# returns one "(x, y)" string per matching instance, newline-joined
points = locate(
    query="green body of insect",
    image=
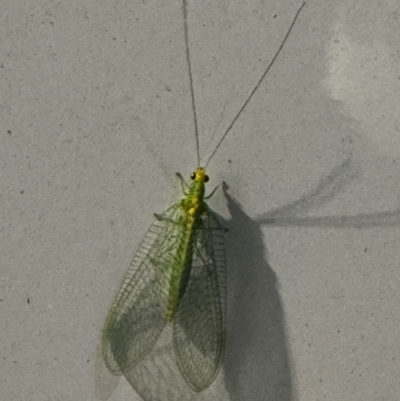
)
(193, 207)
(177, 276)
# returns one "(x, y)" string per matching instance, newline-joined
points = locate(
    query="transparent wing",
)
(138, 315)
(199, 325)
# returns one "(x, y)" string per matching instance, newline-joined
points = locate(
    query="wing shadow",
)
(257, 361)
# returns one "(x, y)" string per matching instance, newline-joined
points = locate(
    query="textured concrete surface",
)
(95, 118)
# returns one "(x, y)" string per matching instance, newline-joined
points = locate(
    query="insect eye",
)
(206, 178)
(192, 176)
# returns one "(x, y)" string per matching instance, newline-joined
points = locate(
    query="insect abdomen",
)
(192, 206)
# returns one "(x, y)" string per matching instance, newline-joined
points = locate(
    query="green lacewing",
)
(177, 277)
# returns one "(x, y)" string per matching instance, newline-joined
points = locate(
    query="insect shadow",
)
(258, 359)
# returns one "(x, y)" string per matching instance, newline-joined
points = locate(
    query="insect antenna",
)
(196, 131)
(254, 89)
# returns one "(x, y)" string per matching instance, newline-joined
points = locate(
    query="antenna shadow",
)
(338, 179)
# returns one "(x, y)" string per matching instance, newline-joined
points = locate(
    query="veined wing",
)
(138, 314)
(199, 325)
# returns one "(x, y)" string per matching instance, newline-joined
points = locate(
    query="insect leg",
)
(169, 214)
(212, 192)
(183, 183)
(161, 217)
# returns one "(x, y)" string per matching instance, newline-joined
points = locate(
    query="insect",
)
(177, 278)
